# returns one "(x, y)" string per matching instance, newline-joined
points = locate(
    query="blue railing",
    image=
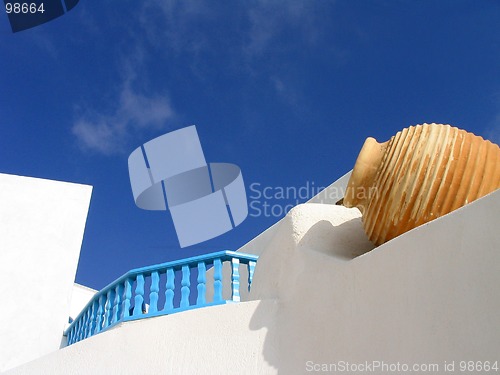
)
(160, 290)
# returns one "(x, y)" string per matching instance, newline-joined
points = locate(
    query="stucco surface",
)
(322, 295)
(214, 340)
(41, 231)
(330, 195)
(430, 296)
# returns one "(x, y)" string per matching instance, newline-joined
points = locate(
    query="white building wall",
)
(211, 341)
(330, 195)
(430, 296)
(80, 296)
(41, 231)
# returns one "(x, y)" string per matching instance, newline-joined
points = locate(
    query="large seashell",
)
(420, 174)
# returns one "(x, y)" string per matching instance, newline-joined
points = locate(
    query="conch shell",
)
(420, 174)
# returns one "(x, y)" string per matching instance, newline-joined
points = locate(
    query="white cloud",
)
(493, 132)
(170, 25)
(108, 133)
(133, 110)
(268, 18)
(251, 28)
(286, 91)
(99, 136)
(173, 28)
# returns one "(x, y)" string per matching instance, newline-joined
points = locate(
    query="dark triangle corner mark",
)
(43, 12)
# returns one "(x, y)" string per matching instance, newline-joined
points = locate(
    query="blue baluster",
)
(235, 279)
(117, 303)
(217, 280)
(100, 314)
(139, 295)
(70, 336)
(91, 322)
(75, 332)
(185, 284)
(93, 317)
(79, 330)
(114, 304)
(155, 288)
(108, 315)
(81, 327)
(86, 330)
(202, 280)
(169, 292)
(127, 295)
(251, 270)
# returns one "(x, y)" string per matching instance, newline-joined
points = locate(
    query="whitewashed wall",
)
(80, 296)
(41, 231)
(430, 296)
(322, 298)
(330, 195)
(211, 341)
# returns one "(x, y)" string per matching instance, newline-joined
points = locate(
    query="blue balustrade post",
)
(100, 314)
(139, 295)
(109, 307)
(251, 270)
(235, 279)
(185, 284)
(87, 323)
(113, 304)
(202, 281)
(117, 303)
(217, 280)
(75, 332)
(127, 296)
(153, 295)
(93, 317)
(70, 335)
(81, 331)
(91, 323)
(78, 330)
(169, 291)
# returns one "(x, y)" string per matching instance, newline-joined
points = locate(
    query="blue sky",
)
(287, 90)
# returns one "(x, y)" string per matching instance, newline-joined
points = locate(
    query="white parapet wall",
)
(428, 299)
(324, 300)
(41, 231)
(210, 341)
(80, 296)
(330, 195)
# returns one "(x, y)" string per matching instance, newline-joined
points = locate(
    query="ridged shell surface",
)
(420, 174)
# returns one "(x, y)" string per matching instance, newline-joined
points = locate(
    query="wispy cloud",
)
(108, 133)
(492, 128)
(250, 30)
(171, 25)
(493, 131)
(170, 30)
(132, 110)
(269, 18)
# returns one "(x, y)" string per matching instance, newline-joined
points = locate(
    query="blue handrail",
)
(153, 291)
